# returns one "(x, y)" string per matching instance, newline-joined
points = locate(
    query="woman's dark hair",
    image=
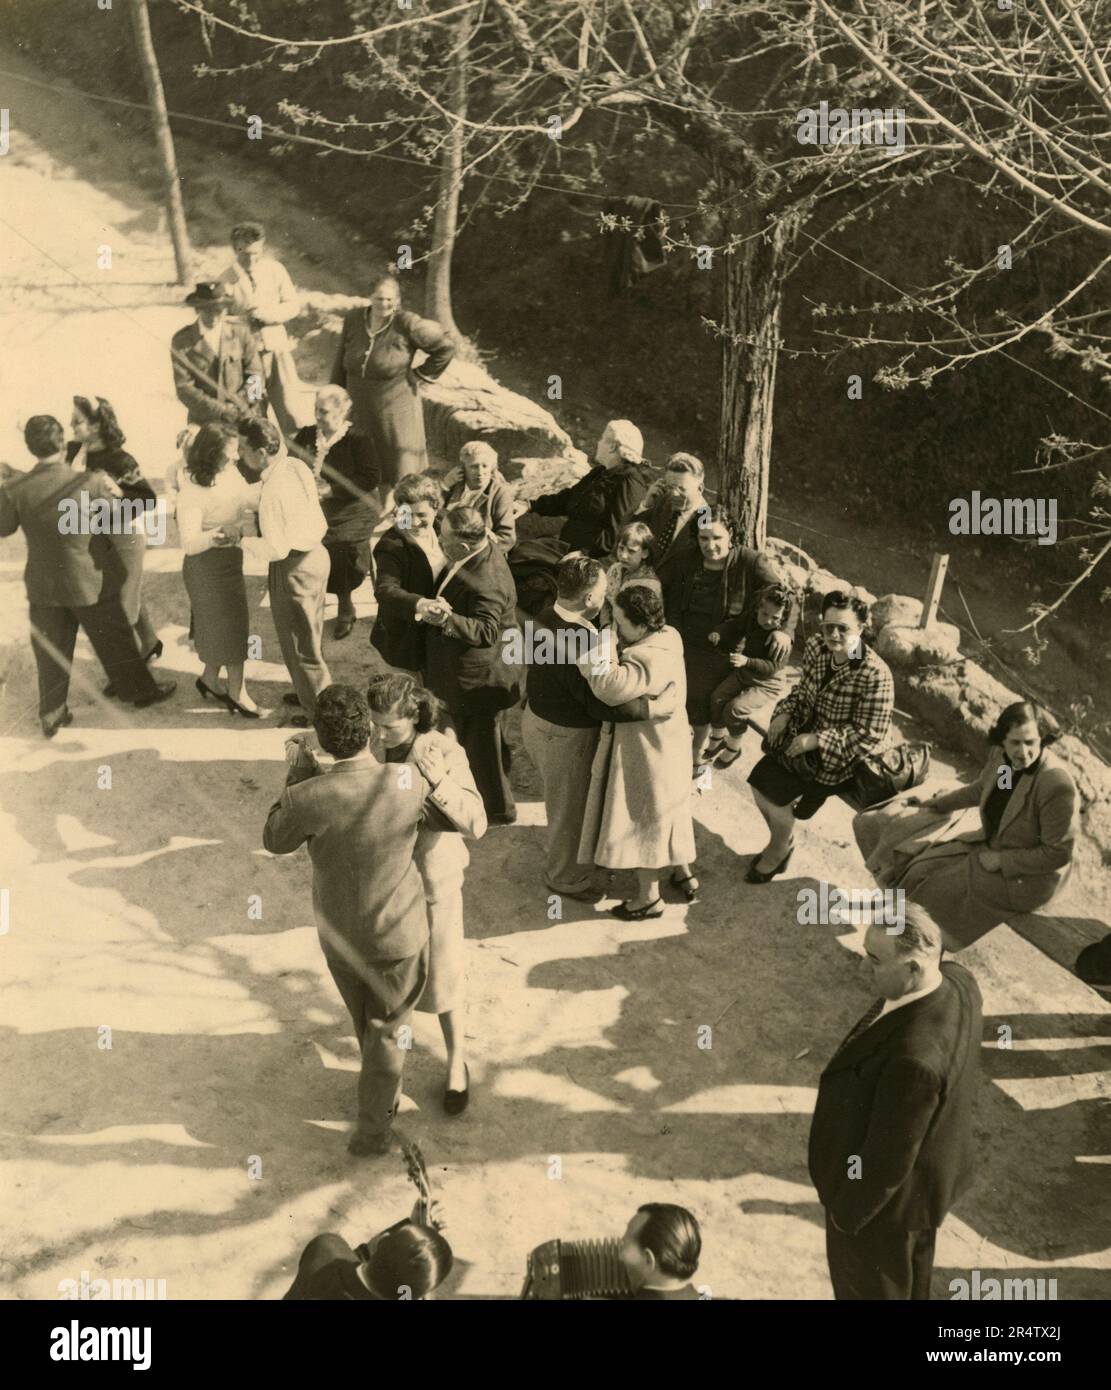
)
(44, 436)
(1024, 712)
(260, 434)
(706, 517)
(405, 694)
(672, 1235)
(412, 1257)
(643, 606)
(104, 417)
(341, 720)
(837, 598)
(381, 276)
(206, 456)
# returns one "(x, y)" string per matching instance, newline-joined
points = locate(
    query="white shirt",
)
(569, 617)
(457, 566)
(289, 514)
(212, 336)
(429, 542)
(202, 511)
(890, 1005)
(271, 297)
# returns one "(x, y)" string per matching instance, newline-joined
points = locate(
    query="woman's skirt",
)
(218, 594)
(441, 857)
(390, 413)
(706, 667)
(350, 561)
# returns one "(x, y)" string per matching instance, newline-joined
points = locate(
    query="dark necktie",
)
(864, 1023)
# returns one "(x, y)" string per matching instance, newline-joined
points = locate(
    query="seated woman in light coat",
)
(638, 811)
(477, 482)
(1014, 860)
(407, 723)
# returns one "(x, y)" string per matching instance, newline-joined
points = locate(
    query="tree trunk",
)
(437, 286)
(175, 211)
(753, 300)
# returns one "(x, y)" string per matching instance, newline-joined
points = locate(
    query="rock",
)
(898, 609)
(914, 646)
(539, 475)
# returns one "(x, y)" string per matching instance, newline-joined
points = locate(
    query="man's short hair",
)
(466, 523)
(575, 575)
(260, 434)
(672, 1235)
(921, 935)
(686, 463)
(243, 233)
(412, 1257)
(44, 436)
(342, 720)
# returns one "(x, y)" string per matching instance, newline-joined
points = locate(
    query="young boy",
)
(757, 677)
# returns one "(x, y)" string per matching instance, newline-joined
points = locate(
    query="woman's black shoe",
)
(455, 1102)
(688, 886)
(755, 876)
(217, 695)
(638, 914)
(237, 708)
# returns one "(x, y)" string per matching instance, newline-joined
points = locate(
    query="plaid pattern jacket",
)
(851, 715)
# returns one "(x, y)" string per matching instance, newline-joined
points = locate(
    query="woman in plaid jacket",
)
(839, 711)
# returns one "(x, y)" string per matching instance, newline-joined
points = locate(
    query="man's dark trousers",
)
(880, 1264)
(380, 996)
(482, 735)
(54, 636)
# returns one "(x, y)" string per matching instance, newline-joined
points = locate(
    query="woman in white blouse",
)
(212, 506)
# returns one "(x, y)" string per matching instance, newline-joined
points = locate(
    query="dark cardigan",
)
(402, 575)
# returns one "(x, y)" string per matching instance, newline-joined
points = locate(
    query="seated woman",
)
(839, 711)
(713, 584)
(408, 563)
(408, 727)
(1015, 860)
(638, 811)
(630, 563)
(97, 445)
(672, 509)
(757, 677)
(476, 482)
(347, 477)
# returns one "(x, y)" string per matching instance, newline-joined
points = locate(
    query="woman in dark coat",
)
(347, 476)
(408, 563)
(715, 582)
(1014, 857)
(97, 446)
(375, 364)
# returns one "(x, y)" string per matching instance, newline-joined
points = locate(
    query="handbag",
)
(879, 777)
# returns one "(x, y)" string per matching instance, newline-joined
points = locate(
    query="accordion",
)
(566, 1269)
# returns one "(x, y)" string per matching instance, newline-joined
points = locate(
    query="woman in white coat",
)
(638, 812)
(406, 719)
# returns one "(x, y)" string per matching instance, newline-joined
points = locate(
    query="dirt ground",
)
(133, 858)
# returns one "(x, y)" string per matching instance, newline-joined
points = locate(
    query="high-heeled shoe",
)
(638, 914)
(755, 875)
(343, 628)
(455, 1102)
(688, 886)
(236, 708)
(217, 695)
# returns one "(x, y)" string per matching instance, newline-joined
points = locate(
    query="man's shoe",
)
(370, 1145)
(1093, 964)
(291, 698)
(51, 726)
(162, 691)
(343, 628)
(502, 818)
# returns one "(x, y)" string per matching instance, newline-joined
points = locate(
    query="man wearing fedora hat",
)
(218, 371)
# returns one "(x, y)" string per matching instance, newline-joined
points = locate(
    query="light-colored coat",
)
(638, 812)
(933, 854)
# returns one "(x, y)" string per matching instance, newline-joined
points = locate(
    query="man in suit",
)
(218, 370)
(891, 1138)
(560, 725)
(291, 528)
(465, 657)
(405, 1261)
(360, 819)
(262, 295)
(73, 577)
(660, 1250)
